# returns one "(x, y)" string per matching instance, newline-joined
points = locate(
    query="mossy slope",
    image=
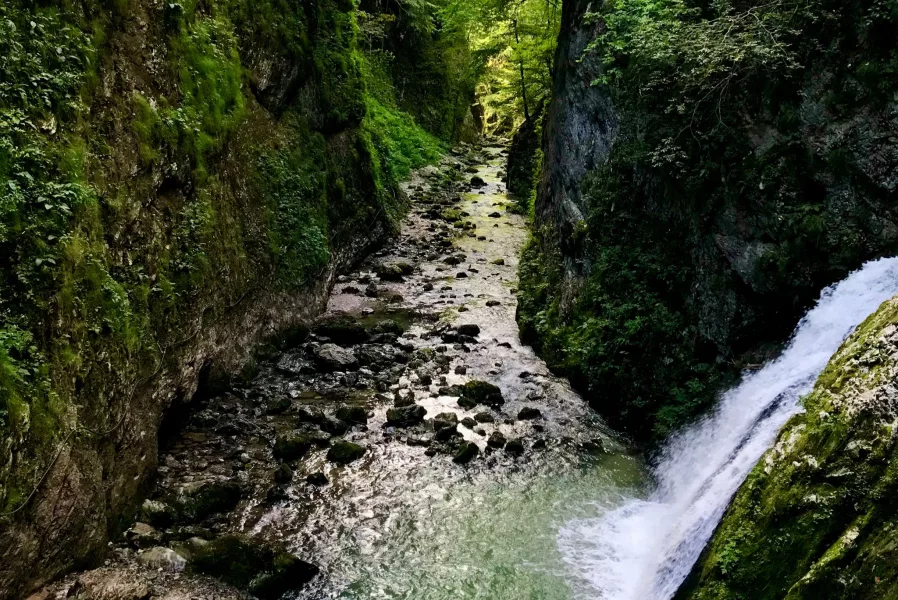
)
(817, 516)
(178, 180)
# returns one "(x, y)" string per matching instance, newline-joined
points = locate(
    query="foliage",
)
(736, 187)
(517, 79)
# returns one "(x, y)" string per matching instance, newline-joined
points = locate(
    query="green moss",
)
(816, 517)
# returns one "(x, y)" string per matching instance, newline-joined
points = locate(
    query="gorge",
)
(426, 300)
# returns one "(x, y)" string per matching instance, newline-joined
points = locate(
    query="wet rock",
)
(387, 326)
(258, 568)
(310, 415)
(425, 379)
(343, 452)
(199, 500)
(102, 584)
(443, 420)
(342, 329)
(372, 291)
(427, 287)
(406, 416)
(593, 446)
(477, 182)
(466, 453)
(484, 417)
(292, 446)
(390, 273)
(470, 329)
(354, 415)
(528, 413)
(461, 370)
(334, 426)
(461, 275)
(496, 440)
(317, 479)
(330, 357)
(283, 474)
(495, 215)
(484, 393)
(142, 535)
(162, 558)
(157, 513)
(492, 303)
(538, 444)
(351, 289)
(276, 493)
(498, 261)
(278, 406)
(294, 364)
(469, 422)
(445, 434)
(467, 403)
(515, 447)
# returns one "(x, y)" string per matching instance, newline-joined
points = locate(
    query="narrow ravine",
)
(376, 448)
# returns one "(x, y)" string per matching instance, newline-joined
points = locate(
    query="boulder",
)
(496, 440)
(466, 453)
(529, 413)
(406, 416)
(342, 329)
(263, 570)
(292, 446)
(162, 558)
(343, 452)
(483, 393)
(334, 426)
(331, 357)
(468, 329)
(354, 415)
(199, 500)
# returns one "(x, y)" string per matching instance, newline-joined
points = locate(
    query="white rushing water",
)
(645, 548)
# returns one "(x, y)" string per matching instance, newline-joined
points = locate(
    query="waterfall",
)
(644, 548)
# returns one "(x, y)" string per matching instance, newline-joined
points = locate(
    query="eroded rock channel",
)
(406, 446)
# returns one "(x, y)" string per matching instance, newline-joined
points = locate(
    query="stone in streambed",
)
(406, 416)
(469, 422)
(343, 452)
(466, 453)
(528, 413)
(165, 559)
(199, 500)
(317, 479)
(334, 426)
(354, 415)
(263, 570)
(158, 513)
(496, 440)
(483, 392)
(342, 329)
(470, 329)
(292, 446)
(331, 357)
(283, 474)
(484, 417)
(515, 447)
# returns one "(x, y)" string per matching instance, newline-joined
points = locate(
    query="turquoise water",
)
(495, 540)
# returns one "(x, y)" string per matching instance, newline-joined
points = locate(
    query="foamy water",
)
(645, 548)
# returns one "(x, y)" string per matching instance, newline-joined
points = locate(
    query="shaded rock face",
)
(816, 518)
(523, 159)
(717, 254)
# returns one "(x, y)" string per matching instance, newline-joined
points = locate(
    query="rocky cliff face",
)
(180, 181)
(676, 237)
(816, 518)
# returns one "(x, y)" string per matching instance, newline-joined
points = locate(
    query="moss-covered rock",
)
(262, 570)
(817, 516)
(344, 452)
(483, 392)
